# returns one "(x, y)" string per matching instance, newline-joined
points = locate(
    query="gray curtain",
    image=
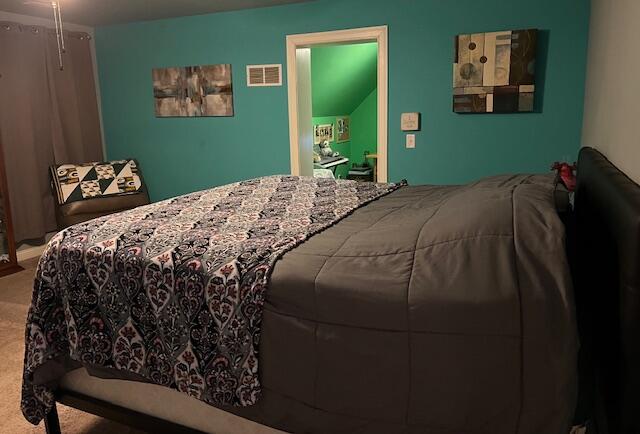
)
(47, 116)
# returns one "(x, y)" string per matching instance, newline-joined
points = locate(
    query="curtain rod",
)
(57, 18)
(78, 34)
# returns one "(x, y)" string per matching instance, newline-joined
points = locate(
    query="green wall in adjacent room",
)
(342, 76)
(179, 155)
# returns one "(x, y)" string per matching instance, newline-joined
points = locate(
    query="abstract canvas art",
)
(193, 91)
(494, 72)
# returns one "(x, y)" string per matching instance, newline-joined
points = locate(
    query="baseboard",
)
(30, 252)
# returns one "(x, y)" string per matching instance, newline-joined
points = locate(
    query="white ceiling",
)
(104, 12)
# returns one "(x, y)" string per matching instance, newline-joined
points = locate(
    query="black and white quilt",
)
(173, 292)
(74, 182)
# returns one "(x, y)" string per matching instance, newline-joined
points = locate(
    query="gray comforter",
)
(440, 310)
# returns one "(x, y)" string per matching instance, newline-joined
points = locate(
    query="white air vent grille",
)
(264, 75)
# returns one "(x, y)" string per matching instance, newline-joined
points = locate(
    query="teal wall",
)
(184, 154)
(364, 128)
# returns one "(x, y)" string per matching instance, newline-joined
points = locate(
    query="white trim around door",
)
(367, 34)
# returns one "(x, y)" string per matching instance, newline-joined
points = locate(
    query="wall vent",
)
(264, 75)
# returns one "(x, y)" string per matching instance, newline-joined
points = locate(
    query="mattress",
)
(161, 402)
(434, 310)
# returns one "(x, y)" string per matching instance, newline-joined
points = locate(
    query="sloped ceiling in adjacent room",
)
(342, 76)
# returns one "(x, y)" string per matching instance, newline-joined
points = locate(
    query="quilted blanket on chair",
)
(75, 182)
(173, 292)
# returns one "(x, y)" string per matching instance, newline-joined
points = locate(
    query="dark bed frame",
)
(604, 249)
(607, 281)
(116, 413)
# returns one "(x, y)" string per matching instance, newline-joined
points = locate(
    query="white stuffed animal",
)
(326, 151)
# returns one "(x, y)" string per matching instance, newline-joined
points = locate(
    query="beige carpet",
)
(15, 297)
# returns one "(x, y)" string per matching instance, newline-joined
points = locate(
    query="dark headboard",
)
(607, 281)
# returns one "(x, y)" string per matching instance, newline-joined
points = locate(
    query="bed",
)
(607, 264)
(415, 309)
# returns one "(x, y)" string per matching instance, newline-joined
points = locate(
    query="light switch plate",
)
(411, 141)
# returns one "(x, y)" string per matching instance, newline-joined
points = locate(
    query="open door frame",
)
(366, 34)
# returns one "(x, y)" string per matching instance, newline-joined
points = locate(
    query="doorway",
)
(309, 131)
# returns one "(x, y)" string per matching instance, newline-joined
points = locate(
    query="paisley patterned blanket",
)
(173, 292)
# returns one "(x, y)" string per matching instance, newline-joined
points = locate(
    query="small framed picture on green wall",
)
(344, 134)
(322, 133)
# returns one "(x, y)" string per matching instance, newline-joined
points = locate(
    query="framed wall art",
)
(494, 72)
(344, 126)
(322, 132)
(193, 91)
